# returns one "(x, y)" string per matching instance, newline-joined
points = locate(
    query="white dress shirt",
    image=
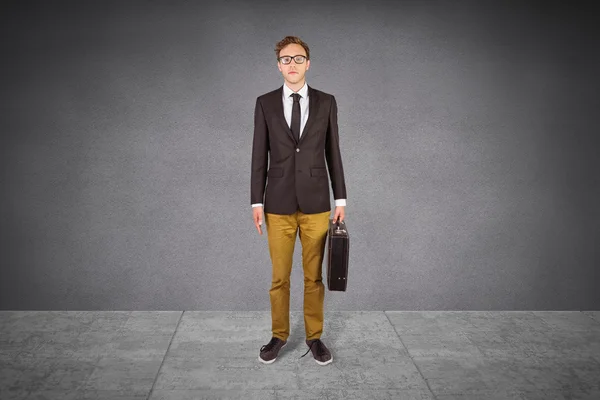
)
(288, 102)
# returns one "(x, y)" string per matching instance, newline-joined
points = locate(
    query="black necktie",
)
(296, 117)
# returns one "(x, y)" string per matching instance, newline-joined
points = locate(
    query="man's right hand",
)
(258, 217)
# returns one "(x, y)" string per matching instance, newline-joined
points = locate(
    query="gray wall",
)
(469, 135)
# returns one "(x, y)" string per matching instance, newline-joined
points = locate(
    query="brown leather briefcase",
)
(338, 246)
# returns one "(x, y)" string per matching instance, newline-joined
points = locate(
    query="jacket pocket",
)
(275, 172)
(318, 172)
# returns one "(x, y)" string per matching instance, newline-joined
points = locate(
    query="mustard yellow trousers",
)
(281, 234)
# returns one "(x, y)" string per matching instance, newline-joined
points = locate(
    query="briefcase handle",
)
(337, 226)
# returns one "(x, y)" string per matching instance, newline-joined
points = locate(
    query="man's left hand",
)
(339, 213)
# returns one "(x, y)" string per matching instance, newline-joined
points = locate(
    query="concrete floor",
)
(377, 355)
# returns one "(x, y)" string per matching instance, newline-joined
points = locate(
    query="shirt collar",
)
(287, 92)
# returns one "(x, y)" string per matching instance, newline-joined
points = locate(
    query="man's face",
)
(292, 72)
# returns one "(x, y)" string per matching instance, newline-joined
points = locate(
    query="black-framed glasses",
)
(299, 59)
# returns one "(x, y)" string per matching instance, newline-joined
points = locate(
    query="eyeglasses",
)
(299, 59)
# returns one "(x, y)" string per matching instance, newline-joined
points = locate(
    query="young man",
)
(295, 128)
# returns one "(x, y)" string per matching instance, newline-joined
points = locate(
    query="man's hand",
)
(258, 216)
(339, 213)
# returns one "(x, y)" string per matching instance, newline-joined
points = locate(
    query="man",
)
(297, 126)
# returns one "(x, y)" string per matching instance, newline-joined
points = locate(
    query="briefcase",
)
(338, 246)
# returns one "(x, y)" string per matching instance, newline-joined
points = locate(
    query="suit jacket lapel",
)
(313, 105)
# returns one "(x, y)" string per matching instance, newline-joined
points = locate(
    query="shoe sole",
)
(324, 362)
(273, 360)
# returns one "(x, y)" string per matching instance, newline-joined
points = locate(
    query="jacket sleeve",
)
(260, 150)
(333, 154)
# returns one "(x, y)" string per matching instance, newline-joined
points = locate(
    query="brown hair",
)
(289, 40)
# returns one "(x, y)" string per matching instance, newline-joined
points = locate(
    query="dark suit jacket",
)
(296, 177)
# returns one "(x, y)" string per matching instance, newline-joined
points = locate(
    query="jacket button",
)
(297, 150)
